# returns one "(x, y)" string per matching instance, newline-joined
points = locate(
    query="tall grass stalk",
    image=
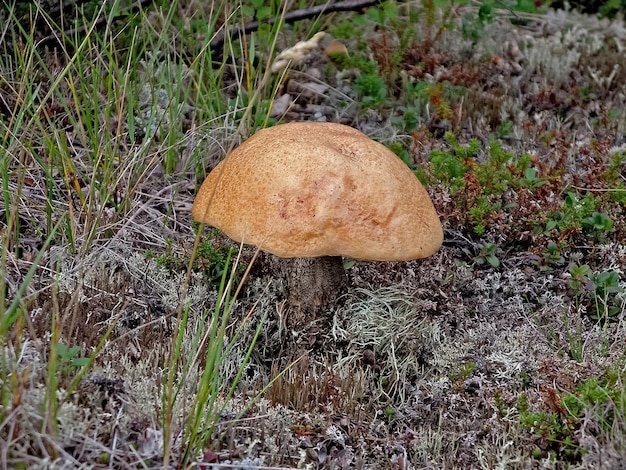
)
(204, 409)
(13, 320)
(211, 348)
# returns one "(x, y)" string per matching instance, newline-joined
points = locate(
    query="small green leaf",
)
(62, 350)
(263, 12)
(485, 13)
(247, 10)
(493, 261)
(530, 174)
(390, 9)
(551, 225)
(79, 362)
(347, 264)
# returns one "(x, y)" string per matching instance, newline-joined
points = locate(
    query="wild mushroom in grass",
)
(314, 193)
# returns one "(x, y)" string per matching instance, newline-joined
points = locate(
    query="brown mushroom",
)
(319, 191)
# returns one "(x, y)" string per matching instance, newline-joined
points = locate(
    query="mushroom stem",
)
(312, 285)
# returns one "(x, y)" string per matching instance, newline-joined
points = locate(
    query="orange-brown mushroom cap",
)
(320, 189)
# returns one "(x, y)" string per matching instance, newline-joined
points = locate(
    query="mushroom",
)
(314, 193)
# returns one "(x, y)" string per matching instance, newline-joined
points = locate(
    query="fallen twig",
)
(292, 16)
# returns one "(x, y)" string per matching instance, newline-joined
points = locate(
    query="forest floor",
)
(505, 349)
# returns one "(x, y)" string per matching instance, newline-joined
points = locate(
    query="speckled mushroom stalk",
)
(319, 191)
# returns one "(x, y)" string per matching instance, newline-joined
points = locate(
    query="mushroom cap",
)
(320, 189)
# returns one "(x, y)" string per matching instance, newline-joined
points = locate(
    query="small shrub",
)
(601, 293)
(371, 89)
(555, 429)
(487, 255)
(68, 359)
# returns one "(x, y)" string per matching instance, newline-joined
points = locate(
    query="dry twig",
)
(296, 15)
